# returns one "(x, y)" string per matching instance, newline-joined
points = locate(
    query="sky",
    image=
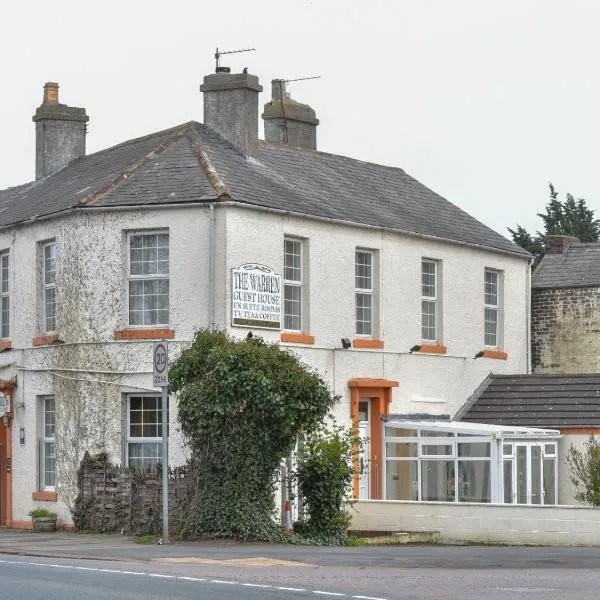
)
(483, 101)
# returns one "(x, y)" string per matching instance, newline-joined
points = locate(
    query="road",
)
(81, 566)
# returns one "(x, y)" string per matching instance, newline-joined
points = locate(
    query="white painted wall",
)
(91, 295)
(483, 523)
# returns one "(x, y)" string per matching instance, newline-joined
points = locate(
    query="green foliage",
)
(584, 471)
(38, 513)
(325, 473)
(568, 217)
(242, 405)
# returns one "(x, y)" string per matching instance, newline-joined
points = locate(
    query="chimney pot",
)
(50, 93)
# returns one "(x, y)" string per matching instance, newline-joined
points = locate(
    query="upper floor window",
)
(429, 301)
(292, 284)
(144, 431)
(148, 278)
(363, 283)
(491, 310)
(49, 291)
(4, 295)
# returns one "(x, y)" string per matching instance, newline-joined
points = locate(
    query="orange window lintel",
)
(156, 333)
(297, 338)
(367, 343)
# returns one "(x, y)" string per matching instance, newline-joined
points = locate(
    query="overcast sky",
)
(484, 101)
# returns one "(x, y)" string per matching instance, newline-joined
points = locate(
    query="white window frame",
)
(48, 286)
(145, 277)
(364, 292)
(144, 439)
(5, 294)
(432, 300)
(296, 284)
(495, 307)
(48, 439)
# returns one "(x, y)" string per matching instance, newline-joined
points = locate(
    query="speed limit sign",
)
(160, 364)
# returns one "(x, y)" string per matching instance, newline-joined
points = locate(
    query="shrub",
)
(38, 513)
(325, 473)
(585, 471)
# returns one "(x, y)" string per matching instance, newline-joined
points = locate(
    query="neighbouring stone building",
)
(402, 301)
(565, 308)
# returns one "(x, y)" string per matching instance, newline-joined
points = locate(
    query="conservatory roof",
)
(498, 431)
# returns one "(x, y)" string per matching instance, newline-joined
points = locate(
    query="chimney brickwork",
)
(231, 108)
(287, 121)
(558, 244)
(60, 132)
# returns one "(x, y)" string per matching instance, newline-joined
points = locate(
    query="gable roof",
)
(578, 266)
(558, 401)
(169, 167)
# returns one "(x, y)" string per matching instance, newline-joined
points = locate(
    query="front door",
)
(364, 451)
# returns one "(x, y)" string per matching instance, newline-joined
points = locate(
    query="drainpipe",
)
(211, 267)
(528, 317)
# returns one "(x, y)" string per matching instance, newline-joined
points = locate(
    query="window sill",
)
(44, 496)
(145, 334)
(5, 345)
(45, 340)
(297, 338)
(367, 343)
(495, 354)
(433, 349)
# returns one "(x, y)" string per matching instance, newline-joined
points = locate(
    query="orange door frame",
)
(379, 392)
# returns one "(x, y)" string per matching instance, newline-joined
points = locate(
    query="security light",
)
(346, 343)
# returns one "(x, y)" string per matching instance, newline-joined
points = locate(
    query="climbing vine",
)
(242, 406)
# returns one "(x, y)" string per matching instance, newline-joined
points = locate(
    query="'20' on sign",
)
(160, 364)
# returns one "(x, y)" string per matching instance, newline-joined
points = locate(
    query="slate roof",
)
(556, 401)
(578, 266)
(167, 167)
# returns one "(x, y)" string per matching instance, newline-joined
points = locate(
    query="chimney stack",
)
(59, 133)
(231, 107)
(287, 121)
(559, 244)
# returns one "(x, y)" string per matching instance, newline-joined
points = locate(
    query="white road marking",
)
(182, 578)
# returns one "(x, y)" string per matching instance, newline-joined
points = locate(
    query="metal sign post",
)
(160, 363)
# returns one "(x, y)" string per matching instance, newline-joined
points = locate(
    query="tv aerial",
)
(301, 79)
(219, 53)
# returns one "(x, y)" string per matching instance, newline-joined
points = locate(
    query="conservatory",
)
(452, 461)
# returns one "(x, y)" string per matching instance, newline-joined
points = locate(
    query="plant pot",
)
(44, 523)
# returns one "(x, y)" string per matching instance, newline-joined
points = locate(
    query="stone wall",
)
(565, 327)
(114, 498)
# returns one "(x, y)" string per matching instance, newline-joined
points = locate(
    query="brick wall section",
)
(565, 330)
(112, 498)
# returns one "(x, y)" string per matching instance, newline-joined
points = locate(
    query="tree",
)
(569, 217)
(241, 407)
(584, 470)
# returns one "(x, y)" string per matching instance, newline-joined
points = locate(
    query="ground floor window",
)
(48, 445)
(458, 462)
(144, 431)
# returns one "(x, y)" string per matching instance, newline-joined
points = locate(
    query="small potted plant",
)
(43, 519)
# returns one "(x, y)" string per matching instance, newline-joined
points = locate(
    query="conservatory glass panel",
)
(549, 481)
(401, 450)
(437, 480)
(536, 475)
(479, 449)
(402, 480)
(474, 482)
(508, 481)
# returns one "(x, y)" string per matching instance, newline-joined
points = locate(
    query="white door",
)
(364, 452)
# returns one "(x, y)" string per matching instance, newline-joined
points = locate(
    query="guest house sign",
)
(255, 297)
